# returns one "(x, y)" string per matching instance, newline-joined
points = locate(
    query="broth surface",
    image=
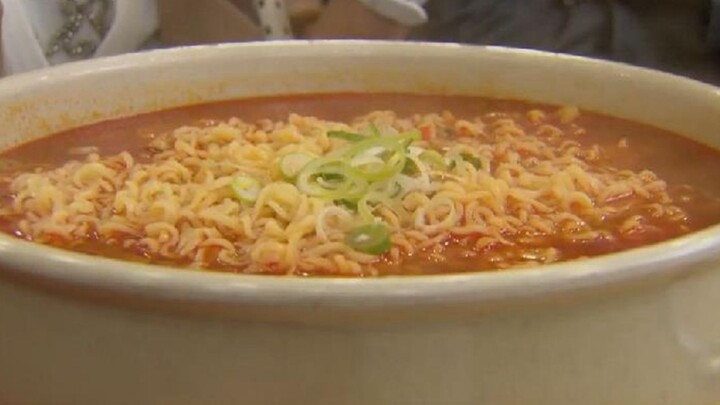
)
(687, 167)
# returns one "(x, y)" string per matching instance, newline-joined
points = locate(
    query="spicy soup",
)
(359, 185)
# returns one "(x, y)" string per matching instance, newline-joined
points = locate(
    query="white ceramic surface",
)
(636, 328)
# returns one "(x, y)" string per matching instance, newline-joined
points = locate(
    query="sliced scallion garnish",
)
(350, 205)
(434, 160)
(292, 163)
(245, 188)
(392, 150)
(347, 172)
(410, 167)
(473, 160)
(364, 208)
(372, 239)
(331, 178)
(346, 136)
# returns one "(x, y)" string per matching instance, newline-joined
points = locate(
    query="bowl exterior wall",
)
(653, 345)
(638, 343)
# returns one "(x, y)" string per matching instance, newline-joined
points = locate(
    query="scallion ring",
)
(331, 178)
(292, 163)
(372, 239)
(245, 188)
(434, 160)
(346, 136)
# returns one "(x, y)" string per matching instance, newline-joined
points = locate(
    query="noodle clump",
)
(293, 197)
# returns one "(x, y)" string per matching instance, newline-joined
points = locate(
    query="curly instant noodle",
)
(308, 196)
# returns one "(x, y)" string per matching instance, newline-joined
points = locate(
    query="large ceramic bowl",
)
(639, 327)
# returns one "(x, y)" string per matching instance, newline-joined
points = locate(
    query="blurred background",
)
(677, 36)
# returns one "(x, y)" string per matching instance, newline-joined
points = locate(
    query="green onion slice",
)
(245, 188)
(331, 178)
(364, 208)
(395, 189)
(388, 142)
(434, 160)
(379, 158)
(390, 188)
(346, 173)
(348, 204)
(411, 167)
(372, 239)
(292, 163)
(346, 136)
(473, 160)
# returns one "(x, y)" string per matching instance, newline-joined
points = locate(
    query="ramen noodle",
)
(382, 193)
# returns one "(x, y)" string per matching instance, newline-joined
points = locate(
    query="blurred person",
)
(42, 33)
(680, 36)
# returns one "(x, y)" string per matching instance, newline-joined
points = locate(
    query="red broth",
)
(688, 167)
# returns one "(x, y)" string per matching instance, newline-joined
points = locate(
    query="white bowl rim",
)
(153, 282)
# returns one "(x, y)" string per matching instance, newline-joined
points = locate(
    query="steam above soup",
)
(410, 185)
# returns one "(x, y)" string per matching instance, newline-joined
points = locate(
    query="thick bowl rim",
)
(153, 282)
